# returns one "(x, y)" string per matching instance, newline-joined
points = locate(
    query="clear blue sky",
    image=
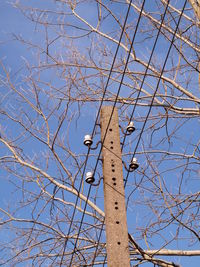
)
(14, 56)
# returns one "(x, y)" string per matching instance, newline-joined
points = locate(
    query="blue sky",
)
(15, 57)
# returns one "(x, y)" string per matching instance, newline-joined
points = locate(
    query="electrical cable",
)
(161, 73)
(112, 66)
(87, 156)
(147, 68)
(134, 109)
(163, 17)
(154, 91)
(109, 123)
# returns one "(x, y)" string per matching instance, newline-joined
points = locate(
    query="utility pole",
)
(114, 199)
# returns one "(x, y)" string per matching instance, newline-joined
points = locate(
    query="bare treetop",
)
(65, 60)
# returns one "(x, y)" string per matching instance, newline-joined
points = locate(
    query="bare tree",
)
(50, 217)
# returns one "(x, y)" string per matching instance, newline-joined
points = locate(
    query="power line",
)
(139, 93)
(123, 74)
(153, 95)
(147, 68)
(161, 73)
(132, 115)
(87, 156)
(111, 69)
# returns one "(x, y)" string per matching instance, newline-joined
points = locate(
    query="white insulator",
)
(130, 128)
(88, 140)
(134, 165)
(89, 178)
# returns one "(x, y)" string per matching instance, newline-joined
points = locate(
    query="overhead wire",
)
(112, 66)
(146, 70)
(151, 104)
(97, 117)
(163, 17)
(116, 98)
(132, 114)
(160, 76)
(158, 83)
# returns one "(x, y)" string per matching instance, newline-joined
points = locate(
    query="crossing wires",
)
(157, 86)
(152, 100)
(138, 95)
(116, 98)
(87, 156)
(132, 114)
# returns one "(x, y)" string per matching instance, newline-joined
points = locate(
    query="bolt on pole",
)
(114, 199)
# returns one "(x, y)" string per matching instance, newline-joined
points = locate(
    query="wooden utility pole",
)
(114, 200)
